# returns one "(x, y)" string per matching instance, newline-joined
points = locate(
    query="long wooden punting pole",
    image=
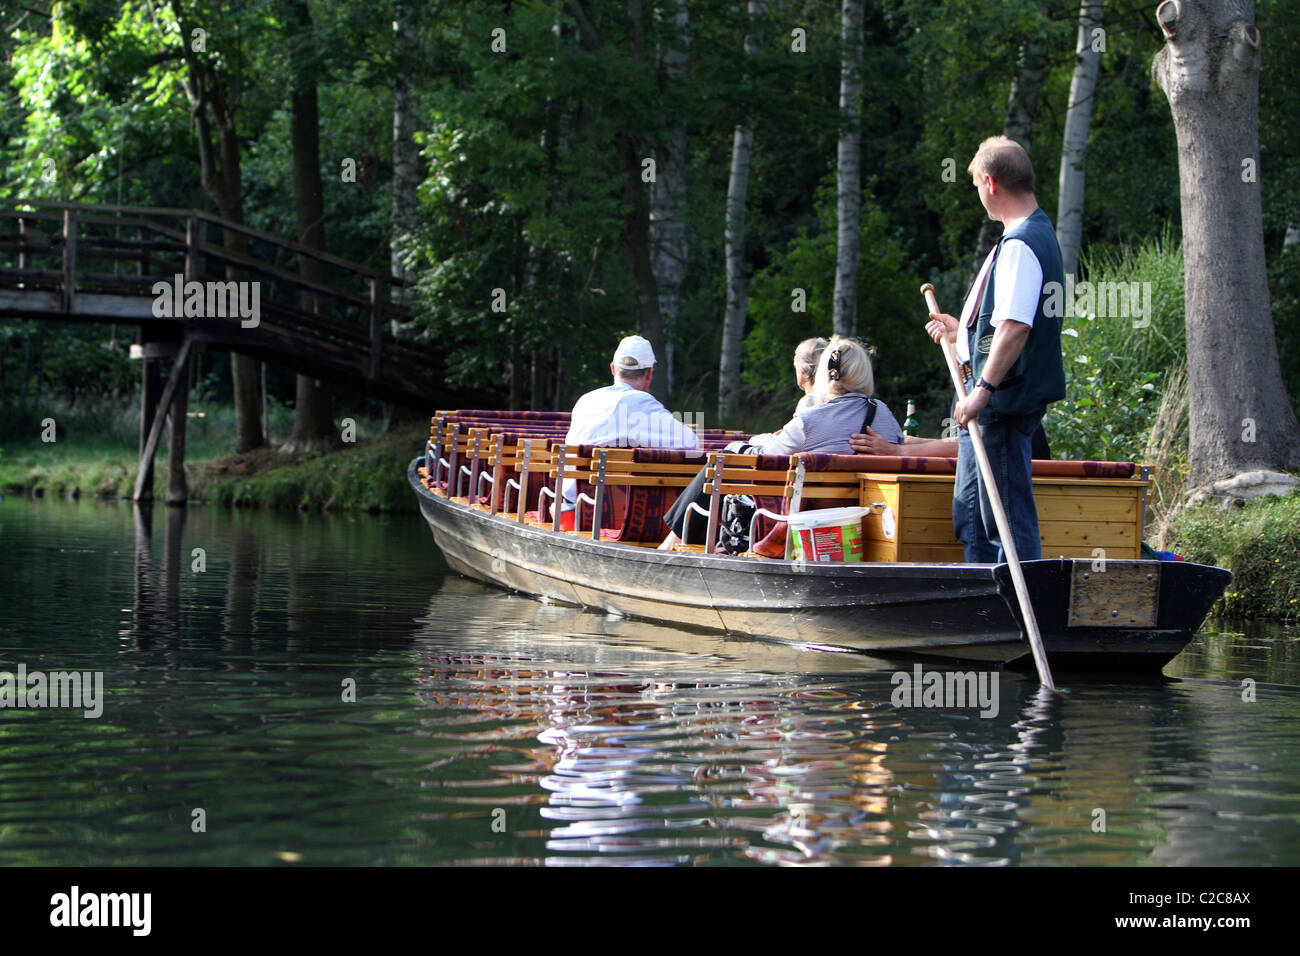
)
(995, 500)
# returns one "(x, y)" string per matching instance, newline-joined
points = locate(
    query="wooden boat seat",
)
(1083, 506)
(639, 485)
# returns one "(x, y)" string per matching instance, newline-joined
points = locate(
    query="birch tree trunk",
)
(313, 424)
(1022, 111)
(406, 157)
(733, 322)
(1240, 420)
(849, 172)
(1074, 143)
(668, 195)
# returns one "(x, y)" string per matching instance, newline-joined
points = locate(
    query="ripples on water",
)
(489, 728)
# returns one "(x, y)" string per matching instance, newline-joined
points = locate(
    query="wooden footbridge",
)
(189, 278)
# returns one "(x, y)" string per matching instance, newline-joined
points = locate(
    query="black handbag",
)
(733, 529)
(738, 510)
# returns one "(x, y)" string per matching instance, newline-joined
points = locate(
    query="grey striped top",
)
(827, 427)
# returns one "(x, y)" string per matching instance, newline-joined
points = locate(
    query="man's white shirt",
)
(619, 415)
(1017, 286)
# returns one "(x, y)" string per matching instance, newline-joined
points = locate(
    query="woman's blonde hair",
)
(844, 368)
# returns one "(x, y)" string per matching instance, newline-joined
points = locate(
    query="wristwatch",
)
(983, 384)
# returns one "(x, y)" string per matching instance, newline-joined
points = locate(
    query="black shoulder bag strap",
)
(871, 415)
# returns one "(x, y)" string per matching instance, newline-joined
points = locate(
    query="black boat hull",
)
(958, 611)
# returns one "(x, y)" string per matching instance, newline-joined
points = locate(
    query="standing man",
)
(625, 413)
(1009, 349)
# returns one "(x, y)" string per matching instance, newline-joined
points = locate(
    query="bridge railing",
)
(71, 249)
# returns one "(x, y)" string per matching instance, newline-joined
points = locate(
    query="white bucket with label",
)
(825, 535)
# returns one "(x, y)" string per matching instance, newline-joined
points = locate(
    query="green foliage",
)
(887, 304)
(1259, 543)
(99, 99)
(524, 192)
(41, 362)
(1114, 371)
(524, 195)
(1284, 292)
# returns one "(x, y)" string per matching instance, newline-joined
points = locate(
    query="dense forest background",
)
(496, 154)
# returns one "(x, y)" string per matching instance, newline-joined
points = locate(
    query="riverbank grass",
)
(368, 475)
(1259, 543)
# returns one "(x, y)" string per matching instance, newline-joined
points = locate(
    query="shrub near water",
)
(1260, 543)
(1115, 374)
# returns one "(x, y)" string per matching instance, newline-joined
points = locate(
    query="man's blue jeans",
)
(1008, 445)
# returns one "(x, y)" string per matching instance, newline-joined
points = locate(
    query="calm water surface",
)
(490, 728)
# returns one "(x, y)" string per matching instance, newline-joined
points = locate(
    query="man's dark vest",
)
(1038, 375)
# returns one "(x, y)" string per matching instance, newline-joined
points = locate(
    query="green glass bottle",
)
(911, 426)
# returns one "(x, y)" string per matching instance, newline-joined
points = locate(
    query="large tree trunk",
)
(668, 197)
(733, 321)
(1022, 111)
(1074, 144)
(313, 425)
(1241, 420)
(244, 381)
(849, 172)
(222, 178)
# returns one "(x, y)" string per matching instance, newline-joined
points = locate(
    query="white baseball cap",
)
(634, 353)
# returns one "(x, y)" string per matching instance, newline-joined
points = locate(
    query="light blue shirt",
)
(619, 415)
(827, 427)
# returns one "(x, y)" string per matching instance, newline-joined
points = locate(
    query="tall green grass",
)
(1116, 375)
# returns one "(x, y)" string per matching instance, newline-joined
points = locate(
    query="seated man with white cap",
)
(625, 413)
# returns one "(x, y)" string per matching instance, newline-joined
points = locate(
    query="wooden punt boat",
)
(1099, 607)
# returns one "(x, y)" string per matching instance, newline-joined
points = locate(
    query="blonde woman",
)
(844, 383)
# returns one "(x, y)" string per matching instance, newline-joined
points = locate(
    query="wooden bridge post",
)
(376, 325)
(143, 265)
(178, 490)
(193, 259)
(150, 387)
(179, 369)
(69, 259)
(22, 246)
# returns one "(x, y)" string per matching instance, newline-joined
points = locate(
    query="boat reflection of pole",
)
(979, 827)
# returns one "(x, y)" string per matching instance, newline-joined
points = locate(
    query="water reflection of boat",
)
(1136, 616)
